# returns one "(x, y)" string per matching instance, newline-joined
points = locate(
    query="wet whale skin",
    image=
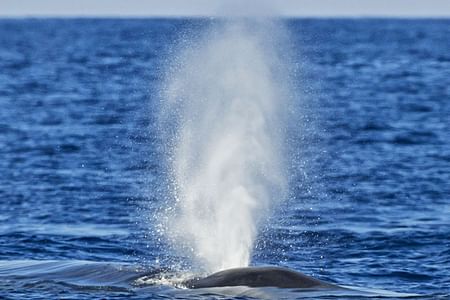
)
(258, 277)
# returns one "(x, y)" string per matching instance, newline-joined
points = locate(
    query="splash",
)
(223, 111)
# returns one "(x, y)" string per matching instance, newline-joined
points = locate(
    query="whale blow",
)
(223, 119)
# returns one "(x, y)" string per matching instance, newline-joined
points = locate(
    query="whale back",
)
(258, 277)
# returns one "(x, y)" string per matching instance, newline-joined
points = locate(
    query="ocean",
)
(84, 182)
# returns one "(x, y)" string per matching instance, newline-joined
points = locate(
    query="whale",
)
(268, 276)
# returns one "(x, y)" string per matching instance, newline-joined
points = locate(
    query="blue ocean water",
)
(80, 168)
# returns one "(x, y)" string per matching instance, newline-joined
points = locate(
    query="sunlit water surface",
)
(81, 169)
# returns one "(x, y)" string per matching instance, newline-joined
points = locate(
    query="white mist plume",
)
(226, 100)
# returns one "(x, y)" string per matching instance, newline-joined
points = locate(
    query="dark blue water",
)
(81, 174)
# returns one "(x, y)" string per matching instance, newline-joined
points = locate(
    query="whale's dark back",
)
(258, 277)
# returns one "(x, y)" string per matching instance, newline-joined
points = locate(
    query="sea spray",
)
(223, 112)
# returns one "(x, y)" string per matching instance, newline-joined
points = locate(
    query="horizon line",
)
(205, 16)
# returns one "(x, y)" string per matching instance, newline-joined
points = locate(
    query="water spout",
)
(225, 102)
